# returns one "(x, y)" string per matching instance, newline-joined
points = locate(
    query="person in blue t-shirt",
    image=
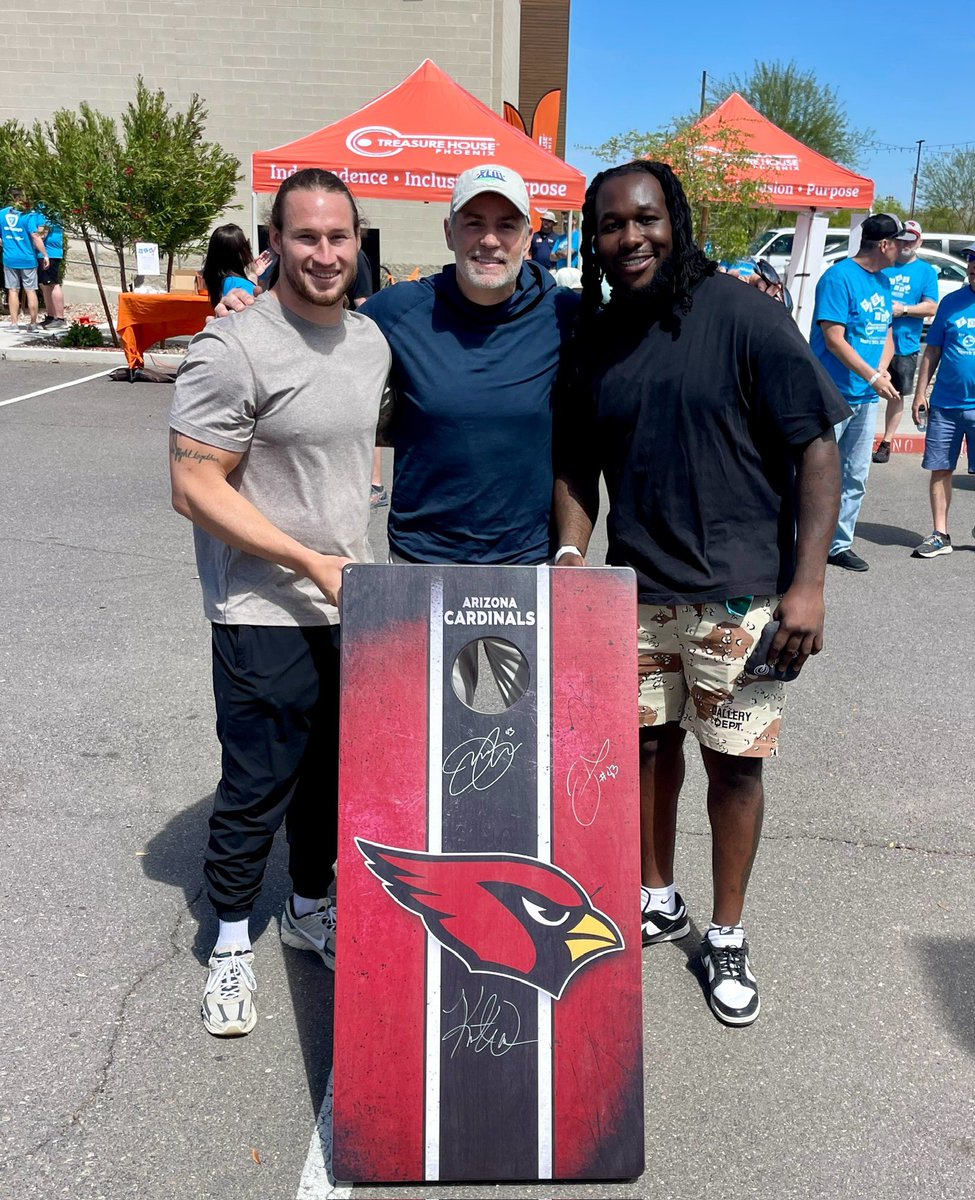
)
(950, 351)
(229, 263)
(914, 290)
(21, 250)
(49, 277)
(560, 251)
(852, 338)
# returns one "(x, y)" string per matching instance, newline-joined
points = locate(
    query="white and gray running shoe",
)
(228, 1008)
(315, 932)
(934, 544)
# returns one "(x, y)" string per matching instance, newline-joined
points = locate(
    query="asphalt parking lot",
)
(858, 1080)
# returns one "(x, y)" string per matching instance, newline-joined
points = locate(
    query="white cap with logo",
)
(490, 177)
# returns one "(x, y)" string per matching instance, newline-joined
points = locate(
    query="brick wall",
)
(269, 70)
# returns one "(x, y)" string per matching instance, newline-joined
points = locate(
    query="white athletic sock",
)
(303, 905)
(658, 899)
(233, 933)
(726, 935)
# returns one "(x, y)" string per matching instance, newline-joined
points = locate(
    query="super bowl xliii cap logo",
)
(491, 173)
(500, 914)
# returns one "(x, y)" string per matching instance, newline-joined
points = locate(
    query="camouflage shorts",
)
(690, 664)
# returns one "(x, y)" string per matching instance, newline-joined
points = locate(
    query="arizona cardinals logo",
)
(501, 914)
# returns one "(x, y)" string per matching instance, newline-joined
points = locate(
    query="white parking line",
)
(316, 1179)
(57, 387)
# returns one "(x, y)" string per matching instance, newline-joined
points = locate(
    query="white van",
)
(775, 245)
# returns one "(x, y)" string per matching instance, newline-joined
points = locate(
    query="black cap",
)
(881, 226)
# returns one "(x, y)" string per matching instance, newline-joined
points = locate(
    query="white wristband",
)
(873, 379)
(567, 550)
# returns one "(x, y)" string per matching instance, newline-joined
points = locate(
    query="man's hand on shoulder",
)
(801, 614)
(235, 300)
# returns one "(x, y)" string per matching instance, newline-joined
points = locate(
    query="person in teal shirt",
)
(914, 290)
(950, 351)
(49, 277)
(560, 251)
(21, 250)
(852, 338)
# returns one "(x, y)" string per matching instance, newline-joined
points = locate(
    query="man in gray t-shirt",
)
(272, 433)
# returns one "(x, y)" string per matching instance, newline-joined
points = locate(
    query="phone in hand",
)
(756, 665)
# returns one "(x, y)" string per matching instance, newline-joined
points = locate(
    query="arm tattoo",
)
(179, 453)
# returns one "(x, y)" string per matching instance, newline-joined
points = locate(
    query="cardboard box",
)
(187, 281)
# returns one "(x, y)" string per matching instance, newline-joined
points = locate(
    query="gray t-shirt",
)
(300, 402)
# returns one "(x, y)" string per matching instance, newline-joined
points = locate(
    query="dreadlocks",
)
(687, 263)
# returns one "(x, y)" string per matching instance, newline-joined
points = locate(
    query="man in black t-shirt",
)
(713, 427)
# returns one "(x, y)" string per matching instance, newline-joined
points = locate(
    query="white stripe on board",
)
(543, 700)
(316, 1179)
(431, 1122)
(57, 387)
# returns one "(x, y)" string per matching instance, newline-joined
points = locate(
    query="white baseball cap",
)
(912, 232)
(490, 177)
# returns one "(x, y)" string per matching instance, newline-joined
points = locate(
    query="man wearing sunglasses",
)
(852, 338)
(914, 285)
(951, 343)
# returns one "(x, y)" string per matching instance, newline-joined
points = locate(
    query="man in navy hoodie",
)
(476, 352)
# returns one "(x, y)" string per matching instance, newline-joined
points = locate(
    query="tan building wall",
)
(269, 71)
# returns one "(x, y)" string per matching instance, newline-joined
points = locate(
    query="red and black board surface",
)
(488, 1001)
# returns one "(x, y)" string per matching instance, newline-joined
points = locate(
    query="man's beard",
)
(654, 298)
(300, 285)
(468, 269)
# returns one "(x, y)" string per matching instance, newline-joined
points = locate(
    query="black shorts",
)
(49, 275)
(902, 369)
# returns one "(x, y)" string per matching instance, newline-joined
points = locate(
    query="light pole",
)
(917, 171)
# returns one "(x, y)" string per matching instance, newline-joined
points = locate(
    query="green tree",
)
(69, 166)
(727, 207)
(947, 191)
(173, 184)
(797, 102)
(12, 139)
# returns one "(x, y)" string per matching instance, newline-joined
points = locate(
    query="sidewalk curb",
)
(107, 358)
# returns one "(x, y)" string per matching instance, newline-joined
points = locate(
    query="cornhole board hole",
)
(488, 1006)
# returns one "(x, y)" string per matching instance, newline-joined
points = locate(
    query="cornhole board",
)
(488, 1001)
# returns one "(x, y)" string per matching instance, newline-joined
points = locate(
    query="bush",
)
(81, 336)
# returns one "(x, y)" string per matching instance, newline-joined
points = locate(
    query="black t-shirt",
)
(697, 425)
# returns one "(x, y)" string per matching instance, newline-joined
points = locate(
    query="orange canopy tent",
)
(790, 174)
(413, 141)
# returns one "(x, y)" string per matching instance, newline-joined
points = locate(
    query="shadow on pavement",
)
(312, 987)
(949, 964)
(175, 856)
(888, 535)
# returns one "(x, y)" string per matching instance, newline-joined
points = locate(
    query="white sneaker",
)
(316, 932)
(228, 1008)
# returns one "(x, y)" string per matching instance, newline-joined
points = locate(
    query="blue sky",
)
(905, 73)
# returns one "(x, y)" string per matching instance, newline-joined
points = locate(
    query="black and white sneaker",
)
(733, 988)
(665, 927)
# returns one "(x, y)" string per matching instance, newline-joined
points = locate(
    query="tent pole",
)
(254, 223)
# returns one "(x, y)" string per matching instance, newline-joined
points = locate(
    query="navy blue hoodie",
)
(472, 424)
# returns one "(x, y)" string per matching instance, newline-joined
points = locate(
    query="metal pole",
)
(917, 171)
(704, 88)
